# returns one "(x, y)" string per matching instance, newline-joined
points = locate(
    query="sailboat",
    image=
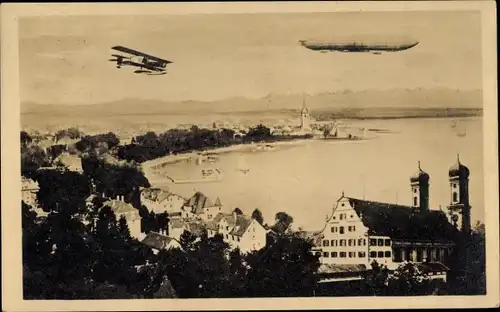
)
(242, 165)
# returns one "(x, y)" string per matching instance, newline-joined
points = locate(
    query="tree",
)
(377, 279)
(72, 133)
(238, 211)
(187, 241)
(409, 280)
(283, 221)
(286, 268)
(257, 215)
(123, 229)
(32, 158)
(26, 139)
(62, 192)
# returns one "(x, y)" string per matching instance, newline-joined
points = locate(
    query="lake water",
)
(307, 179)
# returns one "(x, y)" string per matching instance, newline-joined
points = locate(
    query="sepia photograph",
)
(250, 154)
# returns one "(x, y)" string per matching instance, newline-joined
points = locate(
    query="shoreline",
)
(170, 159)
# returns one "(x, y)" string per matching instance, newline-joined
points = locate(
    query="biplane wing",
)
(137, 53)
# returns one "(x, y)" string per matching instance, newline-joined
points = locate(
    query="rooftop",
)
(403, 222)
(238, 222)
(157, 241)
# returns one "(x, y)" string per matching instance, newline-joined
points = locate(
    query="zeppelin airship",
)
(353, 44)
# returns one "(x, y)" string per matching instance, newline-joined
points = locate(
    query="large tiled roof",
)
(119, 206)
(403, 222)
(157, 241)
(197, 202)
(195, 228)
(238, 225)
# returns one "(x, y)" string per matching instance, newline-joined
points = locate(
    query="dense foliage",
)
(151, 145)
(113, 180)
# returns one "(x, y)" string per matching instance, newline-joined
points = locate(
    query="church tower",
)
(304, 118)
(420, 190)
(459, 208)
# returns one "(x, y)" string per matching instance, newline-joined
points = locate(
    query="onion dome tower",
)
(459, 208)
(420, 190)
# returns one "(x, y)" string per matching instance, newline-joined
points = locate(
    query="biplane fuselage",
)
(145, 63)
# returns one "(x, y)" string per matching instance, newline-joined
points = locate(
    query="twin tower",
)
(459, 208)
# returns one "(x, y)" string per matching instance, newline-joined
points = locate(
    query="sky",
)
(64, 60)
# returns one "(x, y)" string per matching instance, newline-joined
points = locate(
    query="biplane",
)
(147, 64)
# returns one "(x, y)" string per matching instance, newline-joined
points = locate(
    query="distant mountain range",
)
(404, 100)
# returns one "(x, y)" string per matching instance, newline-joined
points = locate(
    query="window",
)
(387, 242)
(360, 242)
(380, 242)
(414, 190)
(364, 242)
(341, 216)
(342, 242)
(334, 218)
(352, 254)
(238, 239)
(232, 237)
(334, 254)
(373, 254)
(342, 204)
(342, 254)
(415, 201)
(455, 197)
(351, 216)
(326, 254)
(454, 185)
(227, 228)
(334, 242)
(361, 254)
(325, 243)
(317, 253)
(341, 229)
(373, 242)
(380, 254)
(349, 242)
(387, 254)
(334, 229)
(227, 236)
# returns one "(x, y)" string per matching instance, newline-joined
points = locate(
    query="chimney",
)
(235, 216)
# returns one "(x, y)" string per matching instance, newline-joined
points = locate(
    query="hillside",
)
(373, 99)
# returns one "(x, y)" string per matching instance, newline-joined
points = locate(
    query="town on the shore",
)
(96, 226)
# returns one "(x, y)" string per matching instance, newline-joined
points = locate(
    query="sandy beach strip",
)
(169, 159)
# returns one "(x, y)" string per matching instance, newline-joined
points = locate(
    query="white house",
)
(157, 242)
(360, 232)
(201, 207)
(131, 214)
(239, 231)
(160, 201)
